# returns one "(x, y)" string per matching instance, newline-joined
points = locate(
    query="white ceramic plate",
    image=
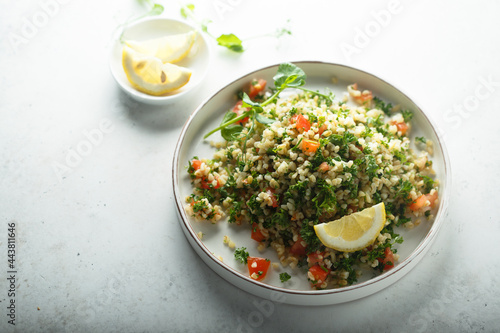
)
(197, 60)
(297, 290)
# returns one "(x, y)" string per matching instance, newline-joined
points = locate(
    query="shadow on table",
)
(156, 118)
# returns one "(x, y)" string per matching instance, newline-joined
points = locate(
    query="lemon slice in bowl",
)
(171, 48)
(149, 75)
(353, 232)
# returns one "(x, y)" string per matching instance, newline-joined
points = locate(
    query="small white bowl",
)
(197, 60)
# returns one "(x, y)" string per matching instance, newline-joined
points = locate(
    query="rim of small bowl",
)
(151, 99)
(434, 229)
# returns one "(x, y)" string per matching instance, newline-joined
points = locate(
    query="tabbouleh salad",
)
(289, 163)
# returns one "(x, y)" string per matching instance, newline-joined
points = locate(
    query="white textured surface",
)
(101, 250)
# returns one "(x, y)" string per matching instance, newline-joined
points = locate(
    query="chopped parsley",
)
(309, 236)
(280, 218)
(428, 183)
(241, 255)
(381, 105)
(421, 139)
(407, 115)
(200, 205)
(235, 211)
(326, 199)
(343, 142)
(371, 166)
(346, 264)
(400, 155)
(285, 277)
(403, 189)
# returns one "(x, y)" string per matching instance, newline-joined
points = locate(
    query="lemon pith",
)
(353, 232)
(149, 75)
(170, 49)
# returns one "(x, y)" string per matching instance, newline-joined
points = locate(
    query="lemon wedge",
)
(170, 49)
(353, 232)
(149, 75)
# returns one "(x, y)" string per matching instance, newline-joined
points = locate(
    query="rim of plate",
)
(443, 204)
(138, 95)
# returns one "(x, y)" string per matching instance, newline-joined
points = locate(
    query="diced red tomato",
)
(388, 260)
(238, 109)
(365, 96)
(315, 257)
(324, 167)
(297, 248)
(309, 146)
(432, 198)
(258, 267)
(301, 122)
(360, 96)
(205, 184)
(402, 127)
(270, 191)
(322, 128)
(256, 87)
(256, 233)
(196, 164)
(419, 203)
(421, 200)
(319, 274)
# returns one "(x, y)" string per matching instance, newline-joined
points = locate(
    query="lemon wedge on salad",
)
(149, 75)
(353, 232)
(171, 48)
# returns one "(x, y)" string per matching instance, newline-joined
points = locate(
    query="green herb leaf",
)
(228, 116)
(371, 167)
(325, 201)
(263, 120)
(343, 142)
(407, 115)
(421, 139)
(204, 25)
(247, 102)
(231, 133)
(403, 189)
(289, 76)
(285, 277)
(400, 155)
(231, 42)
(241, 255)
(156, 10)
(428, 183)
(281, 218)
(309, 236)
(185, 10)
(381, 105)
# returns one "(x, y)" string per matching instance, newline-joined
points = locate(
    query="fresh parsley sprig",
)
(287, 76)
(229, 41)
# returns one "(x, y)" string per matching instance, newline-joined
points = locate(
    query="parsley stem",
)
(270, 99)
(227, 123)
(314, 92)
